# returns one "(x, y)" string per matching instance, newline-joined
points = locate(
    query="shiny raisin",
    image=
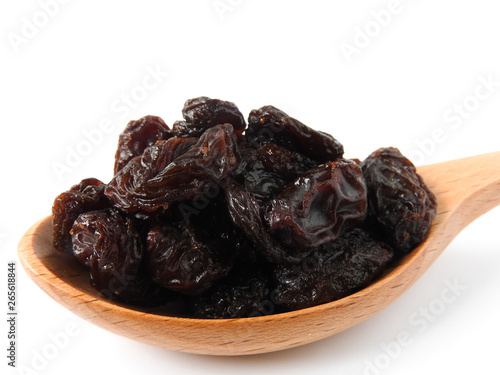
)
(110, 246)
(240, 221)
(86, 196)
(319, 205)
(266, 170)
(154, 181)
(400, 205)
(242, 294)
(189, 254)
(202, 113)
(246, 214)
(332, 271)
(137, 136)
(269, 124)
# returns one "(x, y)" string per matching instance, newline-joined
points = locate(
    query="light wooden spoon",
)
(465, 188)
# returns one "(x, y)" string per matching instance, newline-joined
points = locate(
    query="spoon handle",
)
(466, 188)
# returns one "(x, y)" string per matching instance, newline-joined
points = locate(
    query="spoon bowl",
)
(465, 189)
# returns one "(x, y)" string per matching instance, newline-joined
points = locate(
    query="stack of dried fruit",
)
(239, 221)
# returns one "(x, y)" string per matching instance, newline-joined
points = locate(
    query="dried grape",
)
(400, 205)
(269, 124)
(190, 253)
(332, 271)
(110, 246)
(319, 205)
(86, 196)
(152, 180)
(242, 294)
(202, 113)
(137, 136)
(235, 221)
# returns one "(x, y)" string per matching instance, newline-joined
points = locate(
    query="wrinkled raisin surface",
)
(110, 246)
(269, 124)
(400, 206)
(152, 180)
(246, 214)
(190, 253)
(202, 113)
(332, 271)
(242, 294)
(234, 221)
(137, 136)
(319, 205)
(266, 170)
(86, 196)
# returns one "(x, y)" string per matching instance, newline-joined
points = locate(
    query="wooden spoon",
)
(465, 188)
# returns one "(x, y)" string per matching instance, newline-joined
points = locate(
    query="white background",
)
(66, 68)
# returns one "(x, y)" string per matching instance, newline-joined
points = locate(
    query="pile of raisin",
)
(237, 219)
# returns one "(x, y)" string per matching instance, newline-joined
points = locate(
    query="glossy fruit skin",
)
(246, 214)
(332, 271)
(195, 248)
(244, 293)
(203, 112)
(86, 196)
(177, 260)
(137, 136)
(264, 171)
(237, 221)
(318, 206)
(401, 207)
(110, 246)
(152, 180)
(269, 124)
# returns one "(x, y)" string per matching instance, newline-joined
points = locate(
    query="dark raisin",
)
(332, 271)
(319, 205)
(265, 171)
(240, 222)
(86, 196)
(285, 163)
(154, 181)
(111, 247)
(269, 124)
(202, 113)
(137, 136)
(242, 294)
(246, 214)
(188, 255)
(183, 129)
(257, 180)
(400, 205)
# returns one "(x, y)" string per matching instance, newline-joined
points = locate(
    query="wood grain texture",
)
(465, 188)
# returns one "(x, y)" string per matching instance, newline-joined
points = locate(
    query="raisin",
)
(269, 124)
(319, 205)
(183, 129)
(239, 221)
(400, 205)
(262, 184)
(202, 113)
(285, 163)
(154, 181)
(246, 214)
(137, 136)
(188, 255)
(244, 293)
(86, 196)
(110, 246)
(265, 171)
(332, 271)
(255, 178)
(176, 260)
